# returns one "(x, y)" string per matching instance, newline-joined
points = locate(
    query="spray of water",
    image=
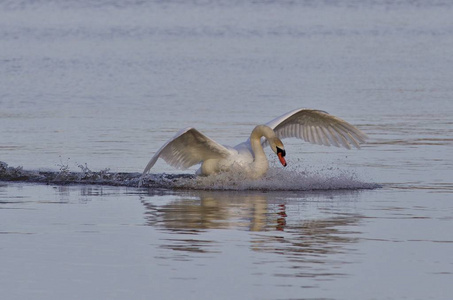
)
(277, 179)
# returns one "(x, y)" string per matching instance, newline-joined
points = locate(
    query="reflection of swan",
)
(211, 210)
(257, 211)
(189, 146)
(314, 227)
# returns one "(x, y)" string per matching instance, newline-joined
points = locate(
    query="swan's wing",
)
(187, 148)
(317, 127)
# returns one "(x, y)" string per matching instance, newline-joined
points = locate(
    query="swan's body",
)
(189, 146)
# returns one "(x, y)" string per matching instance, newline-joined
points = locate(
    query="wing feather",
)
(187, 148)
(317, 127)
(322, 136)
(330, 138)
(305, 131)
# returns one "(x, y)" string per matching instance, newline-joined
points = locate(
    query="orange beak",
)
(282, 159)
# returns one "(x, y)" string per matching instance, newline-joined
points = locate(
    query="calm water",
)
(104, 85)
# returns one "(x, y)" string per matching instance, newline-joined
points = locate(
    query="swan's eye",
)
(282, 151)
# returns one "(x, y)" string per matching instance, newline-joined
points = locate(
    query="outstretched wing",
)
(317, 127)
(187, 148)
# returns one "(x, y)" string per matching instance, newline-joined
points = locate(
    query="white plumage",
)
(190, 147)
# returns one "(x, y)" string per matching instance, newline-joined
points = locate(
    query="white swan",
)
(189, 146)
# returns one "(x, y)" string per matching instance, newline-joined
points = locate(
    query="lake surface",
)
(90, 89)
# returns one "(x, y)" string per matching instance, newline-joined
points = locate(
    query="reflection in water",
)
(85, 193)
(303, 229)
(197, 211)
(310, 247)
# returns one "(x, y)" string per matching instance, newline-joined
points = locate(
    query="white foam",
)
(278, 179)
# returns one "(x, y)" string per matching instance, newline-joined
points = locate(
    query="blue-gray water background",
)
(103, 85)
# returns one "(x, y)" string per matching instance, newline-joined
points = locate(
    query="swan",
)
(190, 147)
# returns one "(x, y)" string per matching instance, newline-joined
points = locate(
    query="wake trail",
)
(276, 179)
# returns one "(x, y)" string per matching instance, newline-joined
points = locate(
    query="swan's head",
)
(277, 146)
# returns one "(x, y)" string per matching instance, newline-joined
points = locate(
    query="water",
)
(89, 90)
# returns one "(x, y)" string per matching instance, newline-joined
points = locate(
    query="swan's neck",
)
(260, 164)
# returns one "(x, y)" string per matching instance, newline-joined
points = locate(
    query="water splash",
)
(277, 179)
(65, 176)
